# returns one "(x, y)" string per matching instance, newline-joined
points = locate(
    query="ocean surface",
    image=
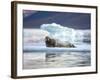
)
(43, 57)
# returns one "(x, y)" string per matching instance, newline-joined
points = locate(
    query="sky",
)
(34, 19)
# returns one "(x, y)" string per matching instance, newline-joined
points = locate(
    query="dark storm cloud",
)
(33, 19)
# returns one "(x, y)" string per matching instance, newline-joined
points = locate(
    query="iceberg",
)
(59, 32)
(67, 34)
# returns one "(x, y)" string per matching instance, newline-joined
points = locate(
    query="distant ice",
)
(34, 37)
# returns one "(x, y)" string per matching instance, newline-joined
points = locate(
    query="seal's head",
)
(49, 42)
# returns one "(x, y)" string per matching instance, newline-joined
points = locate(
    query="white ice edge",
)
(55, 49)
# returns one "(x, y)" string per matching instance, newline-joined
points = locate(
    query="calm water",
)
(33, 60)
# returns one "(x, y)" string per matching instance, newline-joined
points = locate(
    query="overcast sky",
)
(33, 19)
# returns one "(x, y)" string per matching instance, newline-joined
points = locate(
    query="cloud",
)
(27, 13)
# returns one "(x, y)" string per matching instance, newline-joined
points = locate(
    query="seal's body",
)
(50, 42)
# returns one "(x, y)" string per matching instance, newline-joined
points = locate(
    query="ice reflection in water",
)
(56, 59)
